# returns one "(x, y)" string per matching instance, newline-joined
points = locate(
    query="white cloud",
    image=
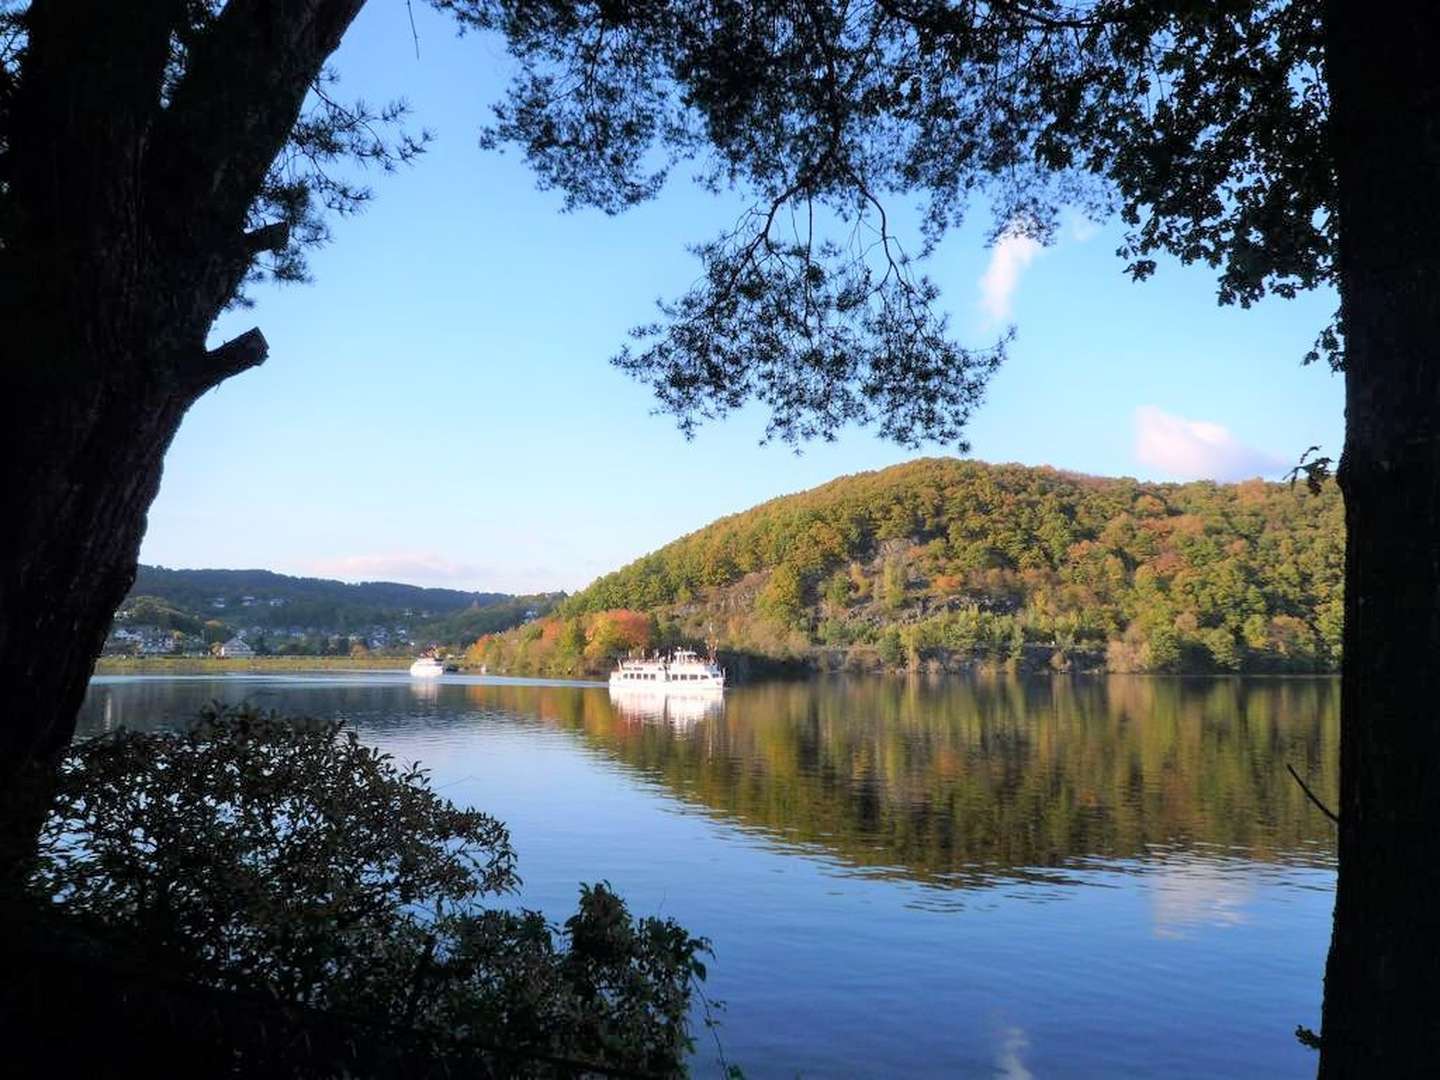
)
(1196, 449)
(1009, 257)
(1080, 228)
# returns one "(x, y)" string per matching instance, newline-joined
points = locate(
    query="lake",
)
(961, 877)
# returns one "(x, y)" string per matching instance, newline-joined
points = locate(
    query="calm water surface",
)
(963, 878)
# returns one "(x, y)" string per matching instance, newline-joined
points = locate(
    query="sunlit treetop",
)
(1200, 122)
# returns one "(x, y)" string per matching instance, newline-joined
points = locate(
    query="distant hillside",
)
(188, 609)
(198, 589)
(944, 562)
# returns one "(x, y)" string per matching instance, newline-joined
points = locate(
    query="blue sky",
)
(437, 406)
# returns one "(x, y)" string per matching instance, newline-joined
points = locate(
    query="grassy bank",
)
(209, 665)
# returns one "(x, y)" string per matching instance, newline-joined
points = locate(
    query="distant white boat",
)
(683, 670)
(427, 667)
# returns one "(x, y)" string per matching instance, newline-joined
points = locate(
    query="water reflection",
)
(1090, 878)
(1009, 1057)
(1192, 894)
(425, 689)
(951, 783)
(677, 708)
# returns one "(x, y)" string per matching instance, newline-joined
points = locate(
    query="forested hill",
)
(944, 561)
(169, 610)
(200, 589)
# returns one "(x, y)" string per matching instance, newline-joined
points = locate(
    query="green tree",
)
(837, 592)
(1016, 649)
(783, 597)
(893, 584)
(1162, 648)
(890, 646)
(1223, 650)
(571, 640)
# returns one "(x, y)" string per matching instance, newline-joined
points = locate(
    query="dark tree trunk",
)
(1383, 973)
(123, 236)
(81, 464)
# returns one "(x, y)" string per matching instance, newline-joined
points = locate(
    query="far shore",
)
(181, 665)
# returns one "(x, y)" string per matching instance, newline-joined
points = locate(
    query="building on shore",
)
(236, 649)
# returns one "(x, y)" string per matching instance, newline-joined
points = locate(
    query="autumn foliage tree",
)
(566, 645)
(611, 633)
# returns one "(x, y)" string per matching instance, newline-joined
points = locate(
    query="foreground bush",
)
(284, 859)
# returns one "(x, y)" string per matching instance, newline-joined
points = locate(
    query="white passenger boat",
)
(683, 670)
(427, 667)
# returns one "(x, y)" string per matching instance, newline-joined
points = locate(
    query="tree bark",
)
(1383, 971)
(123, 237)
(80, 468)
(80, 463)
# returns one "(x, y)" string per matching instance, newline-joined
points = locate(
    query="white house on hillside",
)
(236, 649)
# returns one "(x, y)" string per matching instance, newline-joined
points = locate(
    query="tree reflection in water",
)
(959, 782)
(952, 782)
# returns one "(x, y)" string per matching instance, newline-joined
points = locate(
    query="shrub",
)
(891, 649)
(285, 858)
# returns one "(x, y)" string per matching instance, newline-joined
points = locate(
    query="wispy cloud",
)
(431, 568)
(1080, 228)
(1196, 449)
(1009, 257)
(411, 567)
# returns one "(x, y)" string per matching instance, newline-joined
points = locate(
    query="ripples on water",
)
(991, 877)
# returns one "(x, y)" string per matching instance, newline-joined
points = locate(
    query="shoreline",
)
(207, 665)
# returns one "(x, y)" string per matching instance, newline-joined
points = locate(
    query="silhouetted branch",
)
(273, 237)
(1311, 795)
(415, 34)
(238, 354)
(1316, 470)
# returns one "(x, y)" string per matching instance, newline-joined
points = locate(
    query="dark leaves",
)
(1202, 123)
(1316, 470)
(286, 857)
(821, 338)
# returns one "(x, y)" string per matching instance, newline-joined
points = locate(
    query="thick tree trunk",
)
(127, 200)
(79, 466)
(1383, 973)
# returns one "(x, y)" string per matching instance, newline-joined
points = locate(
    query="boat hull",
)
(619, 682)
